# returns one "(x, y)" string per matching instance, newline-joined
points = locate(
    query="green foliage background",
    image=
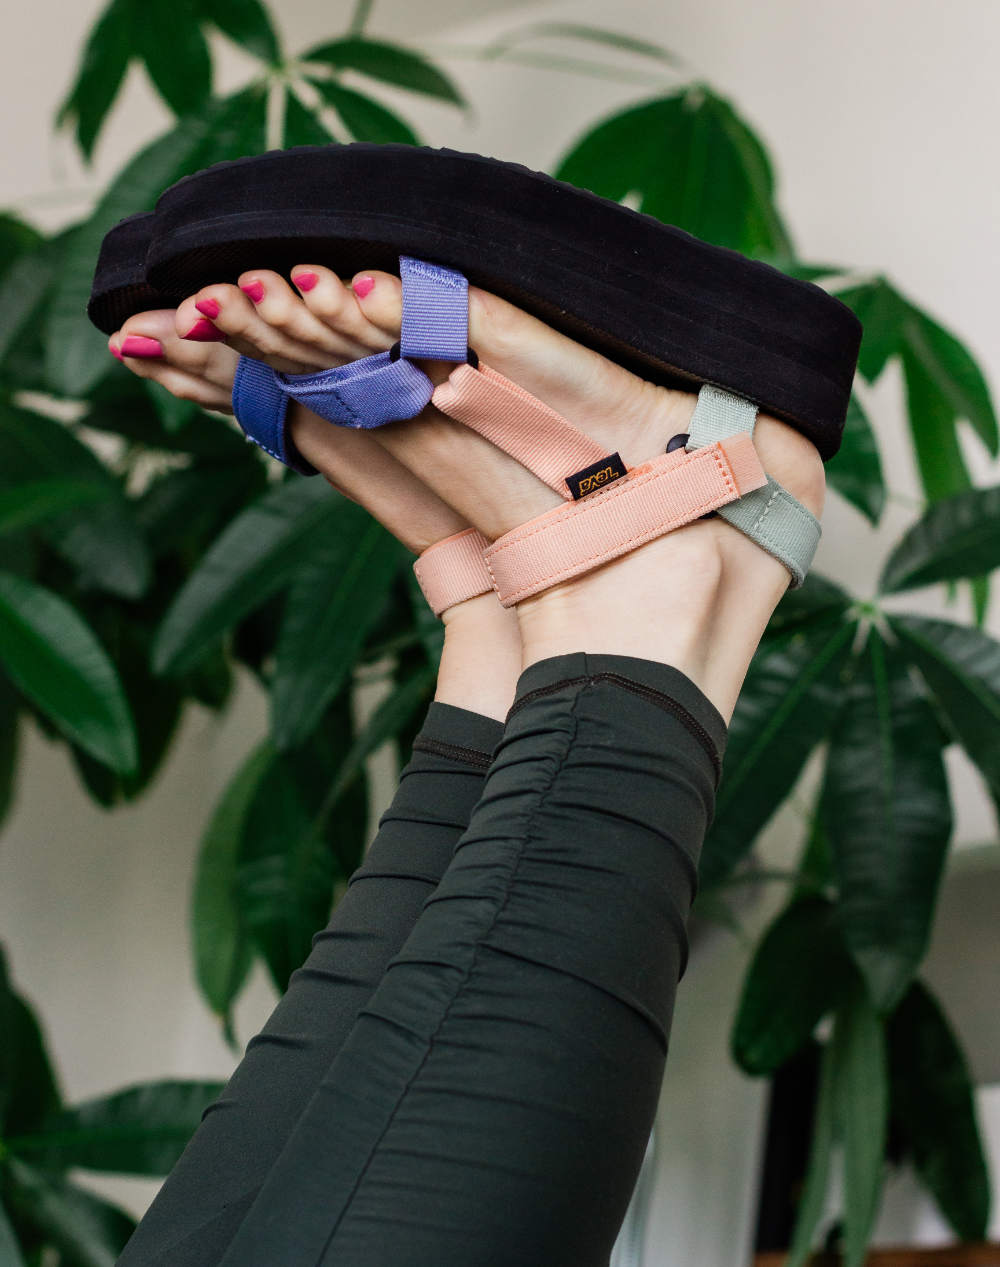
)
(131, 586)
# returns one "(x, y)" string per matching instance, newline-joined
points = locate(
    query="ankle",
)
(481, 659)
(656, 603)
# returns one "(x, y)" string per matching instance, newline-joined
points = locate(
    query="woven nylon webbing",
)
(452, 570)
(770, 515)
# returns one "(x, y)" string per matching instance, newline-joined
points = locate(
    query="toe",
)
(379, 297)
(328, 299)
(231, 311)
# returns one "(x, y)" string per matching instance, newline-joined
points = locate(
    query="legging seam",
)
(530, 820)
(666, 702)
(468, 756)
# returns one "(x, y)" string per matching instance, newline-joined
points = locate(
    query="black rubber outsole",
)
(665, 305)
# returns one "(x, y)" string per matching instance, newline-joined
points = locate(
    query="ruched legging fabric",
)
(198, 1210)
(491, 1103)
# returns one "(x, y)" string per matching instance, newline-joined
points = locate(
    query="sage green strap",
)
(771, 516)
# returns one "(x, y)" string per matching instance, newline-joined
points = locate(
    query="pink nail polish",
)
(208, 307)
(204, 332)
(364, 286)
(138, 345)
(305, 281)
(114, 352)
(255, 290)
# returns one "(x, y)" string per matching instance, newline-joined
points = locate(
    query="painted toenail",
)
(209, 307)
(138, 345)
(114, 352)
(364, 286)
(204, 332)
(305, 281)
(255, 290)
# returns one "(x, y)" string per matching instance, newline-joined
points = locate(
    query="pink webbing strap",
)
(652, 499)
(452, 570)
(519, 423)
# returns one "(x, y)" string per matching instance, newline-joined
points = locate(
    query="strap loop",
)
(453, 570)
(770, 515)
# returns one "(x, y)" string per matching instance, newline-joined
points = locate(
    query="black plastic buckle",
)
(396, 351)
(678, 441)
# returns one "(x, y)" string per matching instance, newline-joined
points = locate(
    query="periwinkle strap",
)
(770, 516)
(362, 394)
(371, 392)
(260, 407)
(435, 312)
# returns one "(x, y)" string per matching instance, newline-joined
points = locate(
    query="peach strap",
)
(452, 570)
(652, 499)
(519, 423)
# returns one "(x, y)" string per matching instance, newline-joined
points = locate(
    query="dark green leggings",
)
(465, 1072)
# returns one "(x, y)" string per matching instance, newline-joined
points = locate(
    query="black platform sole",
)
(658, 301)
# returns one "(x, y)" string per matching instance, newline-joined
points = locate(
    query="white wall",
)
(881, 116)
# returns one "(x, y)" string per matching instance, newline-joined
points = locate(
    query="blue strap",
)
(260, 406)
(362, 394)
(370, 392)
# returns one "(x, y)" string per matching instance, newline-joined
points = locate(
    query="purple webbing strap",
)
(377, 389)
(435, 312)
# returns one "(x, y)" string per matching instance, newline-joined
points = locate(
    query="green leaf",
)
(54, 658)
(87, 1231)
(102, 541)
(247, 23)
(962, 668)
(786, 707)
(886, 808)
(77, 354)
(579, 31)
(339, 591)
(389, 63)
(385, 723)
(933, 1106)
(932, 427)
(257, 554)
(862, 1106)
(856, 471)
(9, 735)
(958, 378)
(816, 597)
(221, 950)
(692, 162)
(943, 381)
(285, 874)
(155, 705)
(28, 504)
(302, 127)
(141, 1130)
(169, 38)
(955, 538)
(10, 1253)
(182, 510)
(24, 291)
(118, 408)
(799, 972)
(813, 1199)
(28, 1090)
(881, 310)
(365, 119)
(100, 74)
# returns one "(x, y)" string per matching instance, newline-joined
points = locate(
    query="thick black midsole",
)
(651, 297)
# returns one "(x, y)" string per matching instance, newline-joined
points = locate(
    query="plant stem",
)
(360, 16)
(547, 61)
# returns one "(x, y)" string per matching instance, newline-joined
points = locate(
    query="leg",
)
(200, 1206)
(492, 1103)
